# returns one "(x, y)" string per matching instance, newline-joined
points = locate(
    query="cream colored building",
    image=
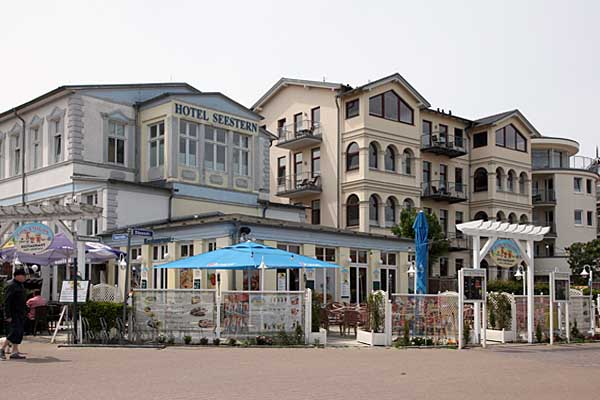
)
(564, 193)
(356, 156)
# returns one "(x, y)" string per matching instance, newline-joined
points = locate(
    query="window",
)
(578, 217)
(426, 172)
(315, 117)
(512, 218)
(91, 228)
(352, 108)
(444, 221)
(499, 179)
(510, 181)
(427, 129)
(36, 148)
(373, 155)
(212, 245)
(408, 204)
(588, 186)
(511, 138)
(157, 144)
(186, 250)
(390, 212)
(480, 139)
(373, 210)
(325, 254)
(16, 154)
(315, 162)
(1, 158)
(160, 252)
(298, 167)
(116, 143)
(281, 166)
(458, 179)
(57, 141)
(315, 212)
(215, 148)
(352, 158)
(590, 218)
(459, 264)
(281, 128)
(480, 216)
(188, 143)
(577, 185)
(352, 211)
(358, 256)
(390, 106)
(443, 266)
(458, 219)
(458, 138)
(161, 277)
(500, 216)
(522, 183)
(443, 134)
(523, 219)
(480, 180)
(297, 122)
(241, 154)
(407, 161)
(390, 159)
(443, 177)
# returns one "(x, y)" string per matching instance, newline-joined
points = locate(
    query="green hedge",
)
(94, 310)
(515, 287)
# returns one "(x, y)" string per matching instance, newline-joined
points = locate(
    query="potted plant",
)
(317, 334)
(499, 329)
(374, 332)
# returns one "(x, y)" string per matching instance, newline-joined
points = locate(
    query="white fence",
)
(176, 313)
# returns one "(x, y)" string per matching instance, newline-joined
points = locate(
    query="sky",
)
(475, 58)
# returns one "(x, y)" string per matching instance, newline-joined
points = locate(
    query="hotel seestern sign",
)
(216, 118)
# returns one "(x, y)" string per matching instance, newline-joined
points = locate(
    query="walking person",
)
(15, 310)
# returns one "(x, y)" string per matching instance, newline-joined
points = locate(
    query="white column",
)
(81, 262)
(530, 293)
(477, 308)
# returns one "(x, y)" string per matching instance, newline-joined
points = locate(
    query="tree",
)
(581, 254)
(438, 244)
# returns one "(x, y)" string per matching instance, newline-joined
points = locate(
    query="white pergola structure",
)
(521, 234)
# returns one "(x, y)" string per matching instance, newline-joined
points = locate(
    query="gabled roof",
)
(498, 118)
(206, 99)
(396, 77)
(283, 82)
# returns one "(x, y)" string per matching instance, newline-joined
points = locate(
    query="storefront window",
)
(215, 148)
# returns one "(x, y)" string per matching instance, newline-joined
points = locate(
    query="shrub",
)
(216, 341)
(514, 286)
(316, 317)
(264, 341)
(575, 330)
(375, 304)
(500, 310)
(94, 310)
(171, 340)
(187, 339)
(231, 342)
(539, 335)
(204, 341)
(406, 338)
(467, 332)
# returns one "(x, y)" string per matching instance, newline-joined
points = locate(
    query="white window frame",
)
(91, 225)
(2, 158)
(578, 185)
(114, 136)
(241, 154)
(580, 217)
(57, 141)
(162, 250)
(36, 147)
(189, 250)
(211, 245)
(16, 153)
(190, 142)
(159, 142)
(215, 145)
(160, 278)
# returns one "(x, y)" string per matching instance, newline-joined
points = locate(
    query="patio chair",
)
(104, 333)
(336, 317)
(40, 323)
(314, 182)
(352, 319)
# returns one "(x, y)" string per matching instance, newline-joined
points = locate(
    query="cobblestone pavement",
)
(502, 372)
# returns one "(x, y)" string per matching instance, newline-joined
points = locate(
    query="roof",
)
(497, 118)
(61, 90)
(283, 82)
(396, 77)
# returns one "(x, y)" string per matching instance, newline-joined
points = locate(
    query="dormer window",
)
(390, 106)
(510, 138)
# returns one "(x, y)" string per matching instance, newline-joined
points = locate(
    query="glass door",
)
(358, 286)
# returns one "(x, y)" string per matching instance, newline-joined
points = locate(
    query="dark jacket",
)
(14, 300)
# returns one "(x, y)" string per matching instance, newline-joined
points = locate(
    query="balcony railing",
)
(543, 196)
(439, 143)
(444, 191)
(543, 160)
(299, 185)
(552, 225)
(458, 242)
(300, 134)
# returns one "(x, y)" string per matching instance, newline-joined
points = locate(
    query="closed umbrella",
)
(421, 228)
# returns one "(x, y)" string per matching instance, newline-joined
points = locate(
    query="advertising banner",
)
(505, 253)
(33, 238)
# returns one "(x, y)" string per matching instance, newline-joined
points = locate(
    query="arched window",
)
(523, 219)
(512, 218)
(510, 180)
(480, 180)
(500, 216)
(408, 203)
(390, 211)
(352, 157)
(407, 160)
(522, 183)
(481, 215)
(373, 210)
(499, 178)
(390, 159)
(373, 155)
(352, 210)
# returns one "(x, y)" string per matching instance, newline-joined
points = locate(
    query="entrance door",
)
(358, 287)
(388, 280)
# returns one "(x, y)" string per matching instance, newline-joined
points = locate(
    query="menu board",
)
(175, 311)
(67, 292)
(473, 284)
(561, 289)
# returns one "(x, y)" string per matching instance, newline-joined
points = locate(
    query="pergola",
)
(523, 236)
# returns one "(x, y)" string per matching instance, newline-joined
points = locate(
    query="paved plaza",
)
(518, 372)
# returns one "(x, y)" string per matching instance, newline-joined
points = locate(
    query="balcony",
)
(552, 233)
(543, 197)
(550, 159)
(444, 191)
(299, 185)
(444, 144)
(302, 134)
(458, 243)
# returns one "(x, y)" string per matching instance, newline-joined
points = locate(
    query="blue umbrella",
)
(421, 228)
(247, 255)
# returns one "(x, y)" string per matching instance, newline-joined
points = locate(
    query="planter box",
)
(372, 339)
(502, 336)
(320, 336)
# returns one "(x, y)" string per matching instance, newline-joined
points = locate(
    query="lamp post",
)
(412, 271)
(588, 272)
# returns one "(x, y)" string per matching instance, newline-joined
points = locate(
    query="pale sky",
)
(473, 57)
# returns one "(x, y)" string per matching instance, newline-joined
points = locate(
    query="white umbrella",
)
(262, 268)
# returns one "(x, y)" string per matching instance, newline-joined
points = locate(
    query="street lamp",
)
(519, 275)
(412, 270)
(586, 272)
